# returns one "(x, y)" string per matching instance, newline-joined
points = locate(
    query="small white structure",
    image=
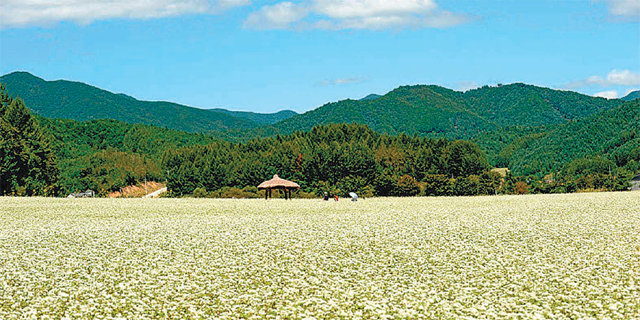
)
(87, 194)
(354, 196)
(635, 183)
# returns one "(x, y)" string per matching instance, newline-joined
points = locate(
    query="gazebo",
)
(278, 183)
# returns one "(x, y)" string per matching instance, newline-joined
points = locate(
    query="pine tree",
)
(27, 162)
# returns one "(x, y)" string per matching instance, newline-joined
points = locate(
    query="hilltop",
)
(438, 111)
(425, 110)
(80, 101)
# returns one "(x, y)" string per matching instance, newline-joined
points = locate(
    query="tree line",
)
(335, 158)
(53, 157)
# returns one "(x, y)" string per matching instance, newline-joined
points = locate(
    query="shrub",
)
(199, 193)
(437, 185)
(406, 186)
(521, 187)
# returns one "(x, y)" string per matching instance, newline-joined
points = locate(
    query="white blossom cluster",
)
(502, 257)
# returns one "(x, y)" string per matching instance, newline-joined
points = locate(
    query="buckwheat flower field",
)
(543, 256)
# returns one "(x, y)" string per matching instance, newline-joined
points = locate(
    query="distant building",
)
(635, 183)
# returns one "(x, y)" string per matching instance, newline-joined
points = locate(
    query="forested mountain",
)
(520, 104)
(438, 111)
(613, 134)
(632, 96)
(531, 130)
(425, 110)
(79, 101)
(105, 155)
(422, 110)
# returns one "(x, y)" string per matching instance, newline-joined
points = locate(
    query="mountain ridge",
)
(532, 130)
(453, 114)
(424, 110)
(632, 96)
(80, 101)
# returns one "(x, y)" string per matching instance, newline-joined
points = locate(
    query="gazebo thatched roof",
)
(277, 182)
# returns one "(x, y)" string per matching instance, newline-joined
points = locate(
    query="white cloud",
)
(346, 9)
(614, 77)
(629, 9)
(20, 13)
(609, 94)
(353, 14)
(226, 4)
(623, 77)
(277, 16)
(630, 90)
(467, 85)
(341, 81)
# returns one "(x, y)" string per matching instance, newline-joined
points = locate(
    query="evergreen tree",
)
(27, 162)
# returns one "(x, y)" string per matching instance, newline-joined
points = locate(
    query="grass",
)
(542, 256)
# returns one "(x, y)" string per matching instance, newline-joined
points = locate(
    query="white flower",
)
(547, 256)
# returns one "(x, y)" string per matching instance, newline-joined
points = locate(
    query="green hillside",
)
(520, 104)
(614, 134)
(632, 96)
(534, 150)
(438, 111)
(532, 130)
(105, 155)
(79, 101)
(422, 110)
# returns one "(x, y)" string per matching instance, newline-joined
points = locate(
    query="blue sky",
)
(265, 56)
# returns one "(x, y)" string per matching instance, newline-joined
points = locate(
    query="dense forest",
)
(334, 158)
(426, 110)
(80, 101)
(440, 112)
(612, 134)
(341, 158)
(106, 155)
(595, 150)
